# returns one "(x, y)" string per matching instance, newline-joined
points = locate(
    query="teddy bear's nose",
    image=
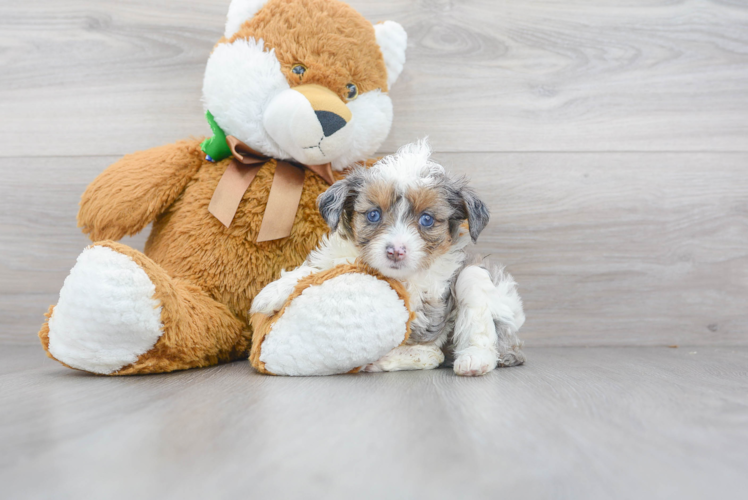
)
(331, 111)
(330, 122)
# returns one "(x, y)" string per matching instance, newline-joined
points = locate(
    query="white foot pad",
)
(106, 316)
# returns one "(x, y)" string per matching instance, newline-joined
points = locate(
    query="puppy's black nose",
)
(396, 254)
(330, 122)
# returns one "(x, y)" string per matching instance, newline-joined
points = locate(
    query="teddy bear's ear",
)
(240, 11)
(392, 40)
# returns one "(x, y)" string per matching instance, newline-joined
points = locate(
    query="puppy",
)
(412, 221)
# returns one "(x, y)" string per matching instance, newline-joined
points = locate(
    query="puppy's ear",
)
(336, 203)
(466, 205)
(477, 212)
(331, 203)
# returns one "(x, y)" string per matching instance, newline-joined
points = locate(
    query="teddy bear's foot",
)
(336, 321)
(107, 316)
(120, 313)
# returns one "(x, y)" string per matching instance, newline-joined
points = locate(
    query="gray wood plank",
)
(573, 423)
(86, 77)
(608, 249)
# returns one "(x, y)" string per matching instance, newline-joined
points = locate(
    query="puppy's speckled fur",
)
(461, 302)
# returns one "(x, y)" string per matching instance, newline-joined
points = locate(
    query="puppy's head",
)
(403, 212)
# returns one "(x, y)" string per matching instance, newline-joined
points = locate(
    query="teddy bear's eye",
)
(298, 69)
(352, 91)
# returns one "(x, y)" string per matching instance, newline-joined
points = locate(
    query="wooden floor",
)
(610, 140)
(573, 423)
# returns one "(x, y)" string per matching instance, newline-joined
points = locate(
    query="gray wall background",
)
(610, 139)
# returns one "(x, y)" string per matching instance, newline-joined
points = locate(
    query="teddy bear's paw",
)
(475, 361)
(335, 326)
(408, 357)
(106, 316)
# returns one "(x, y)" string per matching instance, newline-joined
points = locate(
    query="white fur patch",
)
(434, 281)
(392, 40)
(239, 12)
(292, 123)
(106, 316)
(250, 99)
(290, 120)
(346, 322)
(398, 235)
(475, 361)
(408, 357)
(332, 251)
(274, 296)
(410, 167)
(241, 78)
(489, 315)
(372, 119)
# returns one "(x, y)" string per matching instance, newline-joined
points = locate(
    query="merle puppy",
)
(410, 220)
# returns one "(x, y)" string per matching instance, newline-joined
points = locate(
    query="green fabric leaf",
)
(215, 146)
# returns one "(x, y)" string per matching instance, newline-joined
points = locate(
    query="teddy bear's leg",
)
(120, 313)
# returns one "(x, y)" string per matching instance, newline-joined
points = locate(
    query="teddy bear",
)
(295, 92)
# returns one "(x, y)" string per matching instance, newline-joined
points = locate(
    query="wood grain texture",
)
(574, 423)
(563, 113)
(89, 77)
(608, 248)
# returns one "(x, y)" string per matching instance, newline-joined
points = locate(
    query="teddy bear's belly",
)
(191, 244)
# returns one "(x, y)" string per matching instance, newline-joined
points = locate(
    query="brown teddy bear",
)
(295, 92)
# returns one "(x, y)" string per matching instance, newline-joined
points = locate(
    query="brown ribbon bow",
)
(285, 192)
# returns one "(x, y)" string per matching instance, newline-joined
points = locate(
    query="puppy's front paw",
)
(270, 299)
(475, 361)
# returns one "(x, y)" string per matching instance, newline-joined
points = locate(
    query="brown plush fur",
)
(262, 324)
(335, 43)
(206, 275)
(187, 313)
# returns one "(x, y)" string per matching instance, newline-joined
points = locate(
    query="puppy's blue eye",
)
(426, 220)
(374, 216)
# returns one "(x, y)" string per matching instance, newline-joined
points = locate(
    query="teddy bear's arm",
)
(132, 192)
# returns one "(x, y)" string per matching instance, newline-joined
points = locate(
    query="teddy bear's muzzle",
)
(310, 122)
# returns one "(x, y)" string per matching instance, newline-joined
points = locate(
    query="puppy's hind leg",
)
(408, 357)
(489, 313)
